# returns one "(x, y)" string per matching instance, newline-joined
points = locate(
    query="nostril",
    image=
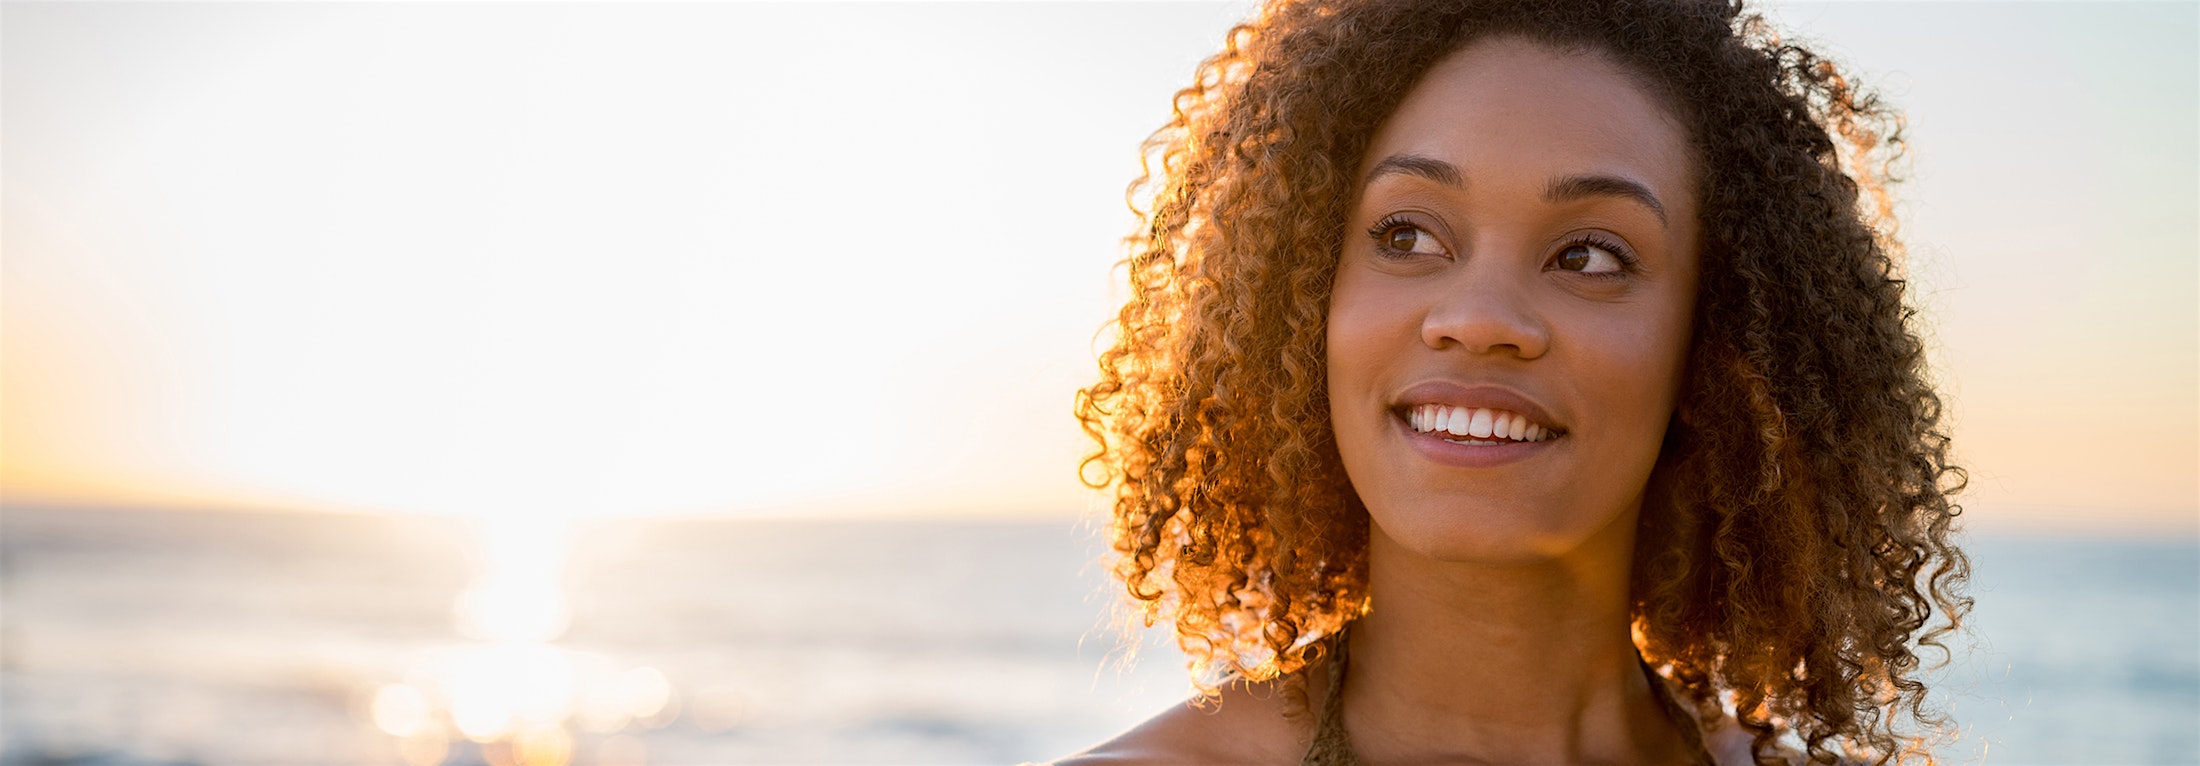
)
(1486, 321)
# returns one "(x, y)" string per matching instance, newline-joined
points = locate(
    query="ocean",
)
(133, 637)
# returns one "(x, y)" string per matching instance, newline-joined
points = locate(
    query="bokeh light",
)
(400, 710)
(517, 596)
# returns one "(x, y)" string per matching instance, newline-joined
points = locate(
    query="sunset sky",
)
(566, 260)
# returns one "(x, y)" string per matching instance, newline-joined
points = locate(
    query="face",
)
(1512, 305)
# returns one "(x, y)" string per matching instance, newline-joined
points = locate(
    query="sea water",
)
(137, 637)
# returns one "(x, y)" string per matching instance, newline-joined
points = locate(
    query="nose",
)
(1485, 314)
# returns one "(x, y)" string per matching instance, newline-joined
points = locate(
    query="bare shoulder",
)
(1246, 725)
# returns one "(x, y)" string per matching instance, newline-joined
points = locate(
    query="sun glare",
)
(518, 595)
(502, 689)
(513, 692)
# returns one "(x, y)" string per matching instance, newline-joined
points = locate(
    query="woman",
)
(1524, 382)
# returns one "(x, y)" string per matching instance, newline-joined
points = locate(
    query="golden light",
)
(497, 689)
(643, 693)
(426, 748)
(542, 745)
(517, 597)
(514, 692)
(602, 713)
(400, 710)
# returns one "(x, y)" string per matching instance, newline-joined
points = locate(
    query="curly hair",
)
(1795, 541)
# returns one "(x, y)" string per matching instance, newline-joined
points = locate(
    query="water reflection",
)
(518, 595)
(513, 692)
(134, 638)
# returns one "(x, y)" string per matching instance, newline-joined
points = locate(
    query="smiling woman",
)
(1496, 289)
(1550, 363)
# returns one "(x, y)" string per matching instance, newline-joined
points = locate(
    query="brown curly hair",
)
(1796, 536)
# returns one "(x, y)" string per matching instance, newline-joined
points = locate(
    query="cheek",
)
(1636, 367)
(1344, 337)
(1364, 330)
(1363, 337)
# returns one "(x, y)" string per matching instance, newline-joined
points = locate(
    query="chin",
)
(1488, 533)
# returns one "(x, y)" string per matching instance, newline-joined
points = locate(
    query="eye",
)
(1593, 257)
(1397, 237)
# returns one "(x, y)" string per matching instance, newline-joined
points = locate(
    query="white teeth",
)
(1479, 427)
(1479, 424)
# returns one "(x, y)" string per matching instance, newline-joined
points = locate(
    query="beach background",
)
(523, 383)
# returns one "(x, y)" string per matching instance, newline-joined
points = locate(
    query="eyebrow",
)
(1415, 165)
(1572, 188)
(1562, 189)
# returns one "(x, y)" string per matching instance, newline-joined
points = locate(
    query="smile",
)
(1476, 425)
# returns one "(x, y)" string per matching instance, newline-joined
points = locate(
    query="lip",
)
(1445, 452)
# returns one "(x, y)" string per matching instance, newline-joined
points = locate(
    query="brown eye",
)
(1575, 258)
(1588, 259)
(1398, 238)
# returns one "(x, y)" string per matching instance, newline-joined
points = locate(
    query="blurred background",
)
(690, 384)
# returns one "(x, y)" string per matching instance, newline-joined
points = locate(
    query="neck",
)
(1503, 663)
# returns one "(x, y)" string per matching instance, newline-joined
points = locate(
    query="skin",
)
(1461, 267)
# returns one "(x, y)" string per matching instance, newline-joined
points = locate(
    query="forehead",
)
(1509, 105)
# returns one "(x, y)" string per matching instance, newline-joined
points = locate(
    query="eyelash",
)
(1384, 227)
(1629, 264)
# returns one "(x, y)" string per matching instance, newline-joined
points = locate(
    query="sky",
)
(584, 260)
